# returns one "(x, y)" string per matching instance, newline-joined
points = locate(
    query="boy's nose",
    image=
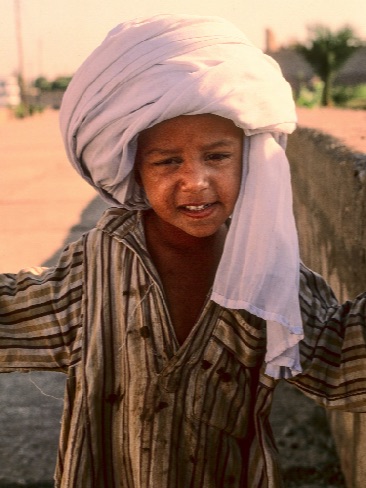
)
(194, 177)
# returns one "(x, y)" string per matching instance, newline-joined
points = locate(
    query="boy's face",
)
(190, 168)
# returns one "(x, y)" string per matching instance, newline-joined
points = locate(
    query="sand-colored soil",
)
(347, 125)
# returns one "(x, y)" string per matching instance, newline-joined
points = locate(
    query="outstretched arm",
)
(333, 352)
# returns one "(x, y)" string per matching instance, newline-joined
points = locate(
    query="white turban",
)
(150, 70)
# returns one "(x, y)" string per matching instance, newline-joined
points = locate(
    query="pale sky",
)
(58, 35)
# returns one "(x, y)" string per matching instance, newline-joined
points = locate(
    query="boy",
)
(177, 314)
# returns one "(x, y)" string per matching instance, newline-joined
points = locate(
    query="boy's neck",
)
(160, 234)
(187, 267)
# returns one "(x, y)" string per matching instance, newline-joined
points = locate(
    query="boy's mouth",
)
(196, 208)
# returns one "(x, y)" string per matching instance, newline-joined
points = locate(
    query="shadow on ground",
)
(307, 452)
(31, 407)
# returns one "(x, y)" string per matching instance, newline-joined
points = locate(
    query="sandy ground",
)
(347, 125)
(44, 204)
(41, 195)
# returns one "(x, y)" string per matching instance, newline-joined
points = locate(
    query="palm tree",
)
(326, 52)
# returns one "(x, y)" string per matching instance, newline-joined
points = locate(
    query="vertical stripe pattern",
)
(143, 412)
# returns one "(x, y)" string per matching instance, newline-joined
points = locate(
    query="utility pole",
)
(18, 32)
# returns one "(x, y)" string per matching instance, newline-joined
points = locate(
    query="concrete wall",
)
(329, 183)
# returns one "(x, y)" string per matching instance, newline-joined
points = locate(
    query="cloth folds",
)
(150, 70)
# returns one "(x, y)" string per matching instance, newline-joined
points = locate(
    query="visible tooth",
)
(194, 207)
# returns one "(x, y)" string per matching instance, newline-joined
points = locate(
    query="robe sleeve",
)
(333, 352)
(41, 315)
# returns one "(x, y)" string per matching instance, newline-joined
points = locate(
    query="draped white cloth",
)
(153, 69)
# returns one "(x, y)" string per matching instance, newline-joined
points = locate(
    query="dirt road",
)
(347, 125)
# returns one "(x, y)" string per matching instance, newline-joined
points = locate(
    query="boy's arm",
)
(333, 352)
(40, 315)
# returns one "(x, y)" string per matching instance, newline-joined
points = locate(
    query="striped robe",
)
(140, 410)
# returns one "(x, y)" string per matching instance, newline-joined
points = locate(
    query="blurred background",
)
(42, 42)
(320, 46)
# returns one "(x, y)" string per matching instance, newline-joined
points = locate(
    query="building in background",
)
(9, 92)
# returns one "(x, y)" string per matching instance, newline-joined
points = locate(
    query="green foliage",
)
(20, 111)
(59, 83)
(310, 96)
(326, 52)
(23, 110)
(342, 96)
(42, 84)
(350, 96)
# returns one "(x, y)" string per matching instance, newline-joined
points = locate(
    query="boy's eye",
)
(218, 156)
(167, 162)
